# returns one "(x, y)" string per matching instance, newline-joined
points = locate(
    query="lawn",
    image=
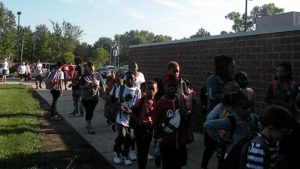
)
(19, 136)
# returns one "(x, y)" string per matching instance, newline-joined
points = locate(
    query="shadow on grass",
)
(16, 115)
(83, 157)
(62, 147)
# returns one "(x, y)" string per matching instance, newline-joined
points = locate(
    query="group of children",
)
(162, 109)
(233, 128)
(159, 109)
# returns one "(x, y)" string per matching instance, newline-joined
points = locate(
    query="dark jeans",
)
(55, 96)
(143, 137)
(76, 102)
(124, 139)
(173, 157)
(210, 148)
(89, 106)
(38, 80)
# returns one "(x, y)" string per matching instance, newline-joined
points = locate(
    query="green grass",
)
(19, 139)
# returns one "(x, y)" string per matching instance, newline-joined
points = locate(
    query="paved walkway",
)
(103, 140)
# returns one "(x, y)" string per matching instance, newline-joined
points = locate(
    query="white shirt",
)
(38, 69)
(135, 94)
(22, 69)
(5, 66)
(140, 78)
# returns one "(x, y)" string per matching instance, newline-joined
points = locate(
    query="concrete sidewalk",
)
(103, 140)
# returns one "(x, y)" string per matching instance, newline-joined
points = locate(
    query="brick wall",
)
(256, 53)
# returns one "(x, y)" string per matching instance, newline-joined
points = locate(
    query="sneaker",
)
(72, 114)
(150, 157)
(55, 117)
(126, 161)
(91, 131)
(116, 158)
(132, 155)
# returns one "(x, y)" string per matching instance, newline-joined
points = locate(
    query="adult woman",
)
(89, 94)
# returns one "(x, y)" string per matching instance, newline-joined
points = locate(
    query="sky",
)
(106, 18)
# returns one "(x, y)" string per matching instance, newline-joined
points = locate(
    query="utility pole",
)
(246, 8)
(19, 39)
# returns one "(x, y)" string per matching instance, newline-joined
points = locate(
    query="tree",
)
(239, 20)
(104, 43)
(161, 38)
(41, 44)
(100, 56)
(8, 33)
(265, 10)
(201, 33)
(64, 40)
(83, 50)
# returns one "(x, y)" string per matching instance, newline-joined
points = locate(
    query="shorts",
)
(4, 72)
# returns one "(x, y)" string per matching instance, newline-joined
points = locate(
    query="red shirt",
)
(164, 109)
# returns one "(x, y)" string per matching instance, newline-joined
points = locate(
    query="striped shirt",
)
(256, 154)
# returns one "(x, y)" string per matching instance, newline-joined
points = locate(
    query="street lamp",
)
(19, 39)
(246, 8)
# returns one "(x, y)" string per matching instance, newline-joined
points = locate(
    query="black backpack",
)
(236, 157)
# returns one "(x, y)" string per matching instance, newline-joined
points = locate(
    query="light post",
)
(246, 7)
(246, 12)
(19, 39)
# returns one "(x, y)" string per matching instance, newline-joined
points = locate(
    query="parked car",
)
(105, 71)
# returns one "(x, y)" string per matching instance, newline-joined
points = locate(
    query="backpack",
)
(232, 160)
(245, 149)
(275, 84)
(51, 80)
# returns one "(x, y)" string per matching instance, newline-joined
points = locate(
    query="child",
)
(239, 125)
(76, 91)
(242, 79)
(125, 134)
(263, 149)
(170, 116)
(283, 90)
(143, 129)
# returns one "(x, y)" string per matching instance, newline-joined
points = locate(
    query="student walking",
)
(56, 89)
(224, 70)
(262, 151)
(283, 90)
(143, 129)
(169, 117)
(89, 94)
(5, 71)
(38, 72)
(76, 90)
(240, 126)
(125, 134)
(22, 71)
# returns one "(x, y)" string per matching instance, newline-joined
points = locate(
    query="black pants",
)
(210, 148)
(89, 106)
(143, 138)
(124, 139)
(173, 157)
(55, 96)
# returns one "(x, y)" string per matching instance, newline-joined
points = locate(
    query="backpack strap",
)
(121, 98)
(274, 84)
